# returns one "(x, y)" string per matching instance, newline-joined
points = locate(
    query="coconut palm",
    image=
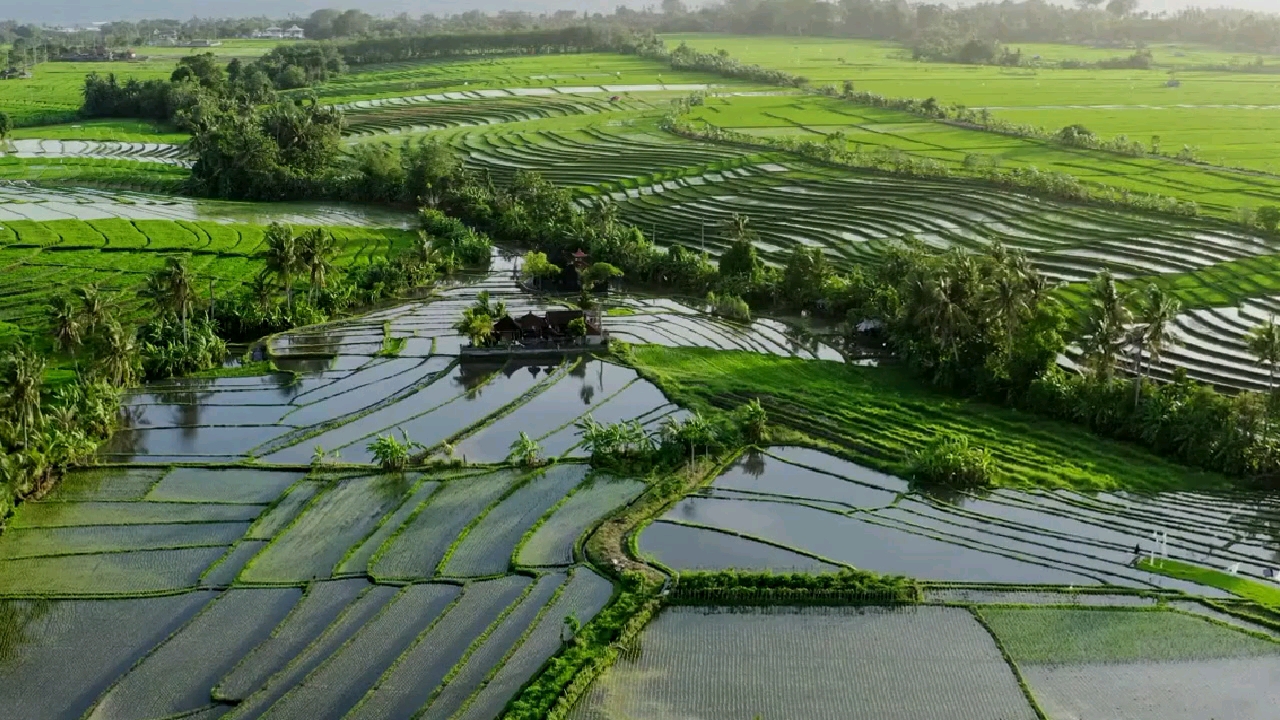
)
(172, 288)
(95, 307)
(23, 385)
(261, 290)
(1156, 311)
(1105, 326)
(317, 251)
(118, 356)
(283, 257)
(65, 324)
(1264, 343)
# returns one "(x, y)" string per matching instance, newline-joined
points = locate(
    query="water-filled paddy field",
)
(290, 590)
(930, 661)
(791, 508)
(257, 592)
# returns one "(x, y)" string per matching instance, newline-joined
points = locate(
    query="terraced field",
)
(683, 190)
(867, 129)
(262, 590)
(812, 504)
(347, 395)
(589, 72)
(44, 256)
(164, 153)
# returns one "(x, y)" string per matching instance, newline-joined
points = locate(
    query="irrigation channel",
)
(205, 590)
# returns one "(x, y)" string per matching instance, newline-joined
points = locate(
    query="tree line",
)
(1116, 22)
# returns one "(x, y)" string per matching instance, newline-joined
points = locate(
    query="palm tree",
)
(172, 288)
(479, 329)
(118, 357)
(317, 252)
(23, 385)
(1264, 343)
(182, 290)
(260, 290)
(1105, 325)
(66, 326)
(738, 227)
(95, 307)
(283, 257)
(1008, 301)
(1156, 311)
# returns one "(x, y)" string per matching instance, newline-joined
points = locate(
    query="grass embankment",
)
(879, 416)
(1265, 594)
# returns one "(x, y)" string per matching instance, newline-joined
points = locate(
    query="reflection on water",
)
(19, 201)
(825, 505)
(16, 618)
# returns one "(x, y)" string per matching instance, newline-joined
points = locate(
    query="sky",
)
(67, 12)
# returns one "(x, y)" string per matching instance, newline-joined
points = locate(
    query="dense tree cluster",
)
(201, 79)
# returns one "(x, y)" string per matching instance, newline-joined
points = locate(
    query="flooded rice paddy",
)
(277, 589)
(789, 508)
(256, 593)
(19, 201)
(345, 394)
(937, 662)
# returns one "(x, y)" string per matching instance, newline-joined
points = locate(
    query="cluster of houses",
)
(532, 329)
(553, 331)
(275, 33)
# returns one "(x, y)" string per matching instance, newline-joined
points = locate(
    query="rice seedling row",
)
(223, 573)
(421, 543)
(177, 675)
(53, 542)
(333, 522)
(336, 636)
(357, 559)
(487, 548)
(819, 662)
(554, 541)
(73, 650)
(417, 675)
(480, 661)
(320, 607)
(584, 595)
(334, 688)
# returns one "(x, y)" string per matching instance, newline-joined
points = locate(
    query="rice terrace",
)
(758, 359)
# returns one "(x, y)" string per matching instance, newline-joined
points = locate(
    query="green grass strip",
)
(1264, 594)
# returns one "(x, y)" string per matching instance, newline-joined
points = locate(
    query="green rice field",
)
(43, 258)
(54, 92)
(1228, 115)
